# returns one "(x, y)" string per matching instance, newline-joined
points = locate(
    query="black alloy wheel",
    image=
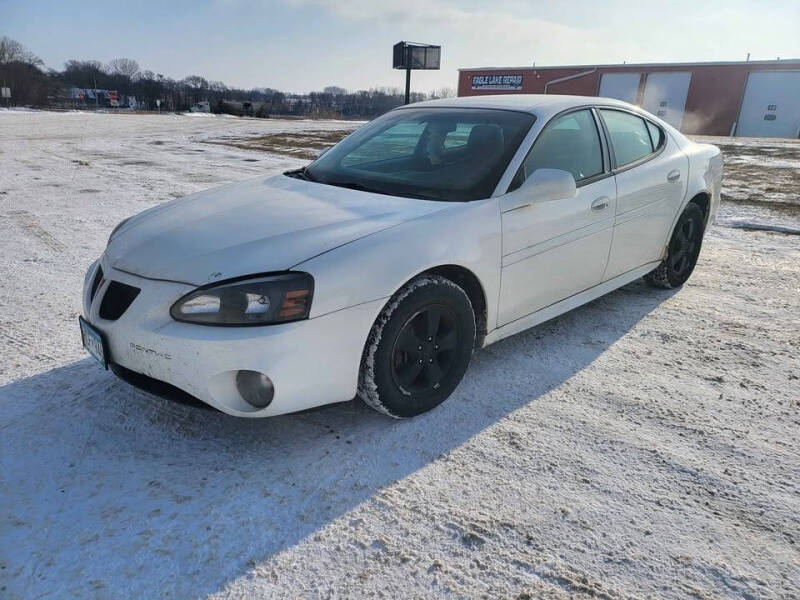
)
(418, 348)
(425, 351)
(683, 250)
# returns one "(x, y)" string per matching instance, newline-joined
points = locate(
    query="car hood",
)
(256, 226)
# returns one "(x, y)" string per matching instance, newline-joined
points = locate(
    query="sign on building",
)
(497, 82)
(5, 92)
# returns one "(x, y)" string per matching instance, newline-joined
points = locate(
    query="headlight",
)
(254, 301)
(116, 229)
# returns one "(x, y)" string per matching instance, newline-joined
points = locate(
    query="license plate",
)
(94, 342)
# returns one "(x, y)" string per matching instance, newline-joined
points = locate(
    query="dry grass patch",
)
(300, 144)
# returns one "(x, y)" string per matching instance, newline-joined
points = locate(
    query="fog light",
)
(256, 388)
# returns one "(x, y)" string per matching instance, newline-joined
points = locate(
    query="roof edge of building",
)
(783, 61)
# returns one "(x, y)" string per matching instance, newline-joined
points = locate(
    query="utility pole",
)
(96, 100)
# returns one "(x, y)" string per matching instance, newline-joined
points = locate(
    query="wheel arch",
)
(467, 281)
(703, 200)
(472, 286)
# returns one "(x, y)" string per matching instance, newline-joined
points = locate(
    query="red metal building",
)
(754, 98)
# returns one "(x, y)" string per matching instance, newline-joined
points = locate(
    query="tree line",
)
(34, 85)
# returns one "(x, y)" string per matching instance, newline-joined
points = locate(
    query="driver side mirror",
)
(545, 185)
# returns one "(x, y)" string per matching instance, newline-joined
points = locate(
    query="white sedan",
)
(375, 271)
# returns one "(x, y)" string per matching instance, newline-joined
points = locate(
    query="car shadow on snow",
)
(113, 492)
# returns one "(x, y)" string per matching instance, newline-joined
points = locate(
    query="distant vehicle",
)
(375, 271)
(202, 106)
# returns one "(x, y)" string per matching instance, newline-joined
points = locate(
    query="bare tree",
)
(19, 70)
(195, 81)
(85, 73)
(444, 92)
(13, 51)
(126, 67)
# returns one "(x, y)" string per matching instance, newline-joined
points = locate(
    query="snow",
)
(642, 445)
(208, 115)
(758, 226)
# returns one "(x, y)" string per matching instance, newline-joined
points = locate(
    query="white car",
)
(375, 271)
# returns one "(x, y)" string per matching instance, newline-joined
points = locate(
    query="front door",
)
(555, 249)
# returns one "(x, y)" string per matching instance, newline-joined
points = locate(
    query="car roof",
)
(542, 104)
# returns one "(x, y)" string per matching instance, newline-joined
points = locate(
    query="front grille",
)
(117, 299)
(98, 277)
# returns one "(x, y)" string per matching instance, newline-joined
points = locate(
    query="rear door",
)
(651, 172)
(554, 249)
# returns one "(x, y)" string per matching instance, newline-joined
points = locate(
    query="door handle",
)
(600, 203)
(673, 175)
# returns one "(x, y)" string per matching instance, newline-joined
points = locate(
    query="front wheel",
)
(418, 349)
(683, 250)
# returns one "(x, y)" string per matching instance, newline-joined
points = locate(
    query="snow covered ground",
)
(644, 445)
(762, 183)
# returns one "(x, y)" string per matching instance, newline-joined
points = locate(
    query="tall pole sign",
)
(412, 56)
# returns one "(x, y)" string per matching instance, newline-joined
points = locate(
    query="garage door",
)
(771, 105)
(665, 95)
(622, 86)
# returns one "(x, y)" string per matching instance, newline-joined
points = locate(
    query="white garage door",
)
(771, 105)
(621, 86)
(665, 95)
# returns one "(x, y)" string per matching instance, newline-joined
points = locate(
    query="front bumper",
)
(310, 362)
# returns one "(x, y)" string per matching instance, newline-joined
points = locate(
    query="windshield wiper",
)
(354, 185)
(305, 175)
(302, 173)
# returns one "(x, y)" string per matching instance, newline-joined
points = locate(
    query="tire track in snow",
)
(26, 347)
(27, 222)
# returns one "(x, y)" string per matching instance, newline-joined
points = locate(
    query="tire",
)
(418, 348)
(682, 252)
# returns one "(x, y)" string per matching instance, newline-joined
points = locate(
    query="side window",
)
(656, 135)
(629, 136)
(570, 143)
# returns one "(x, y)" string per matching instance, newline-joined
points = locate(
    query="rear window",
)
(630, 137)
(656, 135)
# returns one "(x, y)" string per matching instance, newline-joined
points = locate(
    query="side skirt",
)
(566, 305)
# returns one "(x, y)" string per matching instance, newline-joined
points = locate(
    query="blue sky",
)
(302, 45)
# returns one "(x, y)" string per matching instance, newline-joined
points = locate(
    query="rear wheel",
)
(683, 250)
(418, 349)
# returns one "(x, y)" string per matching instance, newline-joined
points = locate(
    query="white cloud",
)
(504, 33)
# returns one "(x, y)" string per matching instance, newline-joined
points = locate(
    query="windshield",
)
(435, 153)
